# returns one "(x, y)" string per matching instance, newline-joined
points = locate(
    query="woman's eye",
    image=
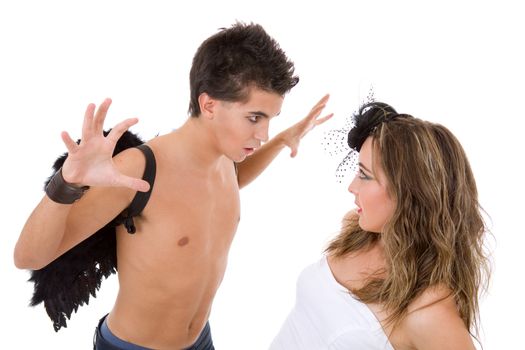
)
(362, 175)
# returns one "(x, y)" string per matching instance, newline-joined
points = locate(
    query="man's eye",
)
(253, 118)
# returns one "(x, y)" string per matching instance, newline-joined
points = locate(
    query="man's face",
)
(241, 127)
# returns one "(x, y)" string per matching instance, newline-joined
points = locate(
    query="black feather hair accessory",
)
(366, 121)
(68, 282)
(358, 127)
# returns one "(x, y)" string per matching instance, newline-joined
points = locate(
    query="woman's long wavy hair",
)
(435, 236)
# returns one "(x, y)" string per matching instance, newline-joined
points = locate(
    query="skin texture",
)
(171, 268)
(432, 321)
(374, 204)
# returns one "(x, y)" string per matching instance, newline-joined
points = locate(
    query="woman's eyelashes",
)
(361, 174)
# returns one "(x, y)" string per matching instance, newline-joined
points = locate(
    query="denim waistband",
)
(105, 340)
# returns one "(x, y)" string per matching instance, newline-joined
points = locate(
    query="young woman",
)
(407, 267)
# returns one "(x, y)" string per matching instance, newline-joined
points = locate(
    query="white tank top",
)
(327, 316)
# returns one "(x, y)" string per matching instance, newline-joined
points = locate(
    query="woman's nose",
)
(352, 188)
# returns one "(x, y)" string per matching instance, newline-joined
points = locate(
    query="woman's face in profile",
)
(375, 207)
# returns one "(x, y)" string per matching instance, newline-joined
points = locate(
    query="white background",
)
(459, 63)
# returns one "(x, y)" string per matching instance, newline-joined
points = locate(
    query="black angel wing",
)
(67, 282)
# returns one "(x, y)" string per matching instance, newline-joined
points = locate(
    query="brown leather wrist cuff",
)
(58, 190)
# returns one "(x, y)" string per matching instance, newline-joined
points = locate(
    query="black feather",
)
(67, 282)
(365, 122)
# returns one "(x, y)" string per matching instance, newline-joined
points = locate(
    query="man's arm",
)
(254, 165)
(54, 228)
(41, 235)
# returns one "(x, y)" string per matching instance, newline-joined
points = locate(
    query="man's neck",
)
(200, 144)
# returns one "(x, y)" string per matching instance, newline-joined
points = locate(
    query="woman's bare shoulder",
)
(433, 321)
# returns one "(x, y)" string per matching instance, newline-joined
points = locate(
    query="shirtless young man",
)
(170, 270)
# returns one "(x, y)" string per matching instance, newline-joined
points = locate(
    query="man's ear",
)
(207, 105)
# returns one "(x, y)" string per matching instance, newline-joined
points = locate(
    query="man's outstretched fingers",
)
(323, 119)
(133, 183)
(322, 101)
(119, 129)
(87, 126)
(100, 115)
(68, 141)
